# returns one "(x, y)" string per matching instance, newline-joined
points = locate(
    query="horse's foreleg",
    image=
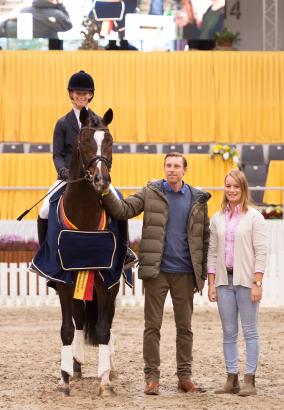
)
(111, 347)
(67, 334)
(104, 368)
(79, 341)
(106, 308)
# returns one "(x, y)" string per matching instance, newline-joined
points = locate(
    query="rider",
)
(81, 91)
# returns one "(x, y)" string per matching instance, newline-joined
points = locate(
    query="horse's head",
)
(95, 148)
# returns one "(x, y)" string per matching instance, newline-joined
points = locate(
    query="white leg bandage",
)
(105, 378)
(111, 351)
(67, 359)
(104, 360)
(79, 346)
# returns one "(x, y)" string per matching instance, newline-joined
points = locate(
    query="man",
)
(49, 18)
(173, 255)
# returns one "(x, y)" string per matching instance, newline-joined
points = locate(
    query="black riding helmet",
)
(81, 81)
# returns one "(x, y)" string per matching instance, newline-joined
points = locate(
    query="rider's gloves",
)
(63, 174)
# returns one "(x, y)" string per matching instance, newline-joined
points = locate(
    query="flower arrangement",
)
(16, 243)
(227, 152)
(272, 212)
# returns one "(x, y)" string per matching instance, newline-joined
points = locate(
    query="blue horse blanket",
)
(65, 251)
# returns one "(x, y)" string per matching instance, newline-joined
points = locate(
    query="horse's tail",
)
(91, 317)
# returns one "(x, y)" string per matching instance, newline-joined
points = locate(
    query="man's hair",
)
(177, 155)
(240, 178)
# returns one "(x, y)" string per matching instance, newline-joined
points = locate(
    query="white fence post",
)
(3, 283)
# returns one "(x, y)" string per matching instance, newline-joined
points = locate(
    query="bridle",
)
(86, 165)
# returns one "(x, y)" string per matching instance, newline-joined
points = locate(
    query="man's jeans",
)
(234, 300)
(181, 287)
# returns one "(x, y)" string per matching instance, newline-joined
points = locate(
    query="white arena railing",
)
(20, 287)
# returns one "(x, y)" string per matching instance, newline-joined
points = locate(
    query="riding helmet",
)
(81, 81)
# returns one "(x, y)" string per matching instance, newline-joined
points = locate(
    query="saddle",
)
(65, 251)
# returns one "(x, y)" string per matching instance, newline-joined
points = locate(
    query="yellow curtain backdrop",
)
(156, 97)
(1, 96)
(275, 178)
(129, 170)
(24, 170)
(249, 96)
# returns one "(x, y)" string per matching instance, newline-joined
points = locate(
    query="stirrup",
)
(130, 259)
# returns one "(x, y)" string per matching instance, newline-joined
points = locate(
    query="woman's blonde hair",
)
(240, 178)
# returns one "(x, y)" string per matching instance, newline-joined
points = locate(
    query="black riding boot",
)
(42, 225)
(41, 229)
(130, 259)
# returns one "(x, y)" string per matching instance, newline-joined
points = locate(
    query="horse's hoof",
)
(77, 375)
(63, 388)
(106, 391)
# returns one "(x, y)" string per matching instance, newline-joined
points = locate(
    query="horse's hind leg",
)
(67, 334)
(78, 345)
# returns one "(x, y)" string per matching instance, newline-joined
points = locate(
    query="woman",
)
(236, 264)
(81, 91)
(212, 20)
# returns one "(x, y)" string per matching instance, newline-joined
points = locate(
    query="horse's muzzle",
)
(100, 182)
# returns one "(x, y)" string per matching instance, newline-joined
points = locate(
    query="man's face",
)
(80, 99)
(174, 170)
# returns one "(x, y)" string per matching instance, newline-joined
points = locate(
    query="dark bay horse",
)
(89, 176)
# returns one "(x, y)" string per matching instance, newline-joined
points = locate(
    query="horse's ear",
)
(83, 115)
(108, 116)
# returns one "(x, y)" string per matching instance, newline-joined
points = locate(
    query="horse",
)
(81, 204)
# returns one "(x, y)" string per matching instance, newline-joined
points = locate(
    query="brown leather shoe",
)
(187, 386)
(152, 388)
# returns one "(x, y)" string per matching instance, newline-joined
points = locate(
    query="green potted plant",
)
(226, 39)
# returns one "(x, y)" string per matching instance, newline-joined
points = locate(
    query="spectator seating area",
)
(255, 160)
(251, 154)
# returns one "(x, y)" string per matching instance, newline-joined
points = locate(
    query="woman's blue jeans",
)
(232, 301)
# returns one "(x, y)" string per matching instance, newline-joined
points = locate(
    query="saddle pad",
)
(80, 250)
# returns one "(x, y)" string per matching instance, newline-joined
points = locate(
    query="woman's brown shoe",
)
(231, 386)
(152, 388)
(248, 386)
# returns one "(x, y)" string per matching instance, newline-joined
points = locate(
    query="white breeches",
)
(44, 210)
